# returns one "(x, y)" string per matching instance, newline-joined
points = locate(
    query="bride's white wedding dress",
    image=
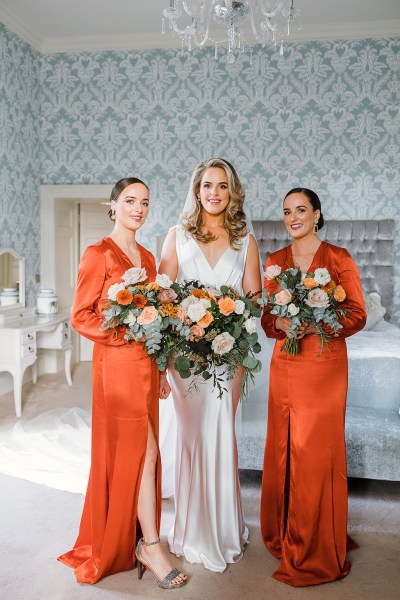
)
(209, 524)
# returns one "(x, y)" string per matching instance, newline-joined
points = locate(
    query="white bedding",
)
(382, 341)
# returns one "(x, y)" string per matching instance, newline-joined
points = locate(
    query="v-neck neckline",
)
(309, 269)
(126, 256)
(213, 269)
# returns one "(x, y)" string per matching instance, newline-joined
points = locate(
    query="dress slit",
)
(286, 488)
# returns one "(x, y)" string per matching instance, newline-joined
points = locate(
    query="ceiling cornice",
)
(148, 41)
(15, 25)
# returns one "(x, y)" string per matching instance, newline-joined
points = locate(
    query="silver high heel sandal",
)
(165, 583)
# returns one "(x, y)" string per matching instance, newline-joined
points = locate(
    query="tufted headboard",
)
(370, 243)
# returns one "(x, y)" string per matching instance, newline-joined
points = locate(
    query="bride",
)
(212, 245)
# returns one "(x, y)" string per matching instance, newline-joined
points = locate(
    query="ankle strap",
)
(150, 543)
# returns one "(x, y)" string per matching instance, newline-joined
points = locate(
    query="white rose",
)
(130, 318)
(321, 276)
(240, 306)
(293, 310)
(114, 289)
(250, 325)
(163, 280)
(196, 311)
(134, 275)
(223, 343)
(272, 271)
(187, 302)
(206, 303)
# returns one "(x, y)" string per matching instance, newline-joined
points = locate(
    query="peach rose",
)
(317, 299)
(180, 314)
(206, 320)
(148, 315)
(226, 305)
(339, 294)
(272, 271)
(167, 295)
(223, 343)
(309, 283)
(124, 297)
(196, 331)
(283, 297)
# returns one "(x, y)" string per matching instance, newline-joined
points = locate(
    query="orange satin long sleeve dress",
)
(125, 401)
(304, 486)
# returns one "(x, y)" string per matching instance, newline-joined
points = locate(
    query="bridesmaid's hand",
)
(165, 388)
(283, 323)
(305, 329)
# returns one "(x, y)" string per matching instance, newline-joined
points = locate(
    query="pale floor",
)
(38, 523)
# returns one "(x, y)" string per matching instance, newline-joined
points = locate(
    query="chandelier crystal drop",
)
(265, 21)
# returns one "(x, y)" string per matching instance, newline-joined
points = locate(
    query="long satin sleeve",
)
(268, 321)
(86, 315)
(349, 279)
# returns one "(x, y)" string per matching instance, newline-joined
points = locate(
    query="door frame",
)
(51, 199)
(50, 195)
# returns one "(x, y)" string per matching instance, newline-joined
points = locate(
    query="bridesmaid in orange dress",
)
(304, 487)
(123, 499)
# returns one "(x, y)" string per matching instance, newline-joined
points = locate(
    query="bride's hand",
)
(165, 388)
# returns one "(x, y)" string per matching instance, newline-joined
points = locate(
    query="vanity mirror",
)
(12, 280)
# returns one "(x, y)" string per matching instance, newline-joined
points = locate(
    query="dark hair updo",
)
(314, 201)
(119, 187)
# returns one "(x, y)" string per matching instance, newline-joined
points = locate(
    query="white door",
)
(94, 224)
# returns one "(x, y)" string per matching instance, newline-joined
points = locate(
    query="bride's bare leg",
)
(153, 555)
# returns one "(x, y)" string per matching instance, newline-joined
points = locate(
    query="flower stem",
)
(291, 346)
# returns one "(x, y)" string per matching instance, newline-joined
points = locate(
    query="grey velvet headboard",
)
(370, 243)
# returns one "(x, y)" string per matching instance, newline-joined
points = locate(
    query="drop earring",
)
(315, 227)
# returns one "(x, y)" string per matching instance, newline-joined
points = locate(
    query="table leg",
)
(17, 378)
(68, 366)
(34, 372)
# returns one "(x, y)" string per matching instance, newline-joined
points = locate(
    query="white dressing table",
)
(23, 336)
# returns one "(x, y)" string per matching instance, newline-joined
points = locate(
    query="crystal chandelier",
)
(266, 20)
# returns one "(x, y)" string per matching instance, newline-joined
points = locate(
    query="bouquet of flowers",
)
(313, 298)
(198, 328)
(223, 332)
(147, 313)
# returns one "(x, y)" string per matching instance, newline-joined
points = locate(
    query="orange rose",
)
(329, 287)
(309, 283)
(206, 320)
(124, 297)
(152, 285)
(198, 293)
(339, 294)
(226, 306)
(139, 300)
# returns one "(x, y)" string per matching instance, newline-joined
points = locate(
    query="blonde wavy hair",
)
(234, 217)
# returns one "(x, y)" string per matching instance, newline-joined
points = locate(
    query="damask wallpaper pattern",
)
(325, 115)
(19, 152)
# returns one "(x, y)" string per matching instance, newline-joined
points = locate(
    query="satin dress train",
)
(125, 405)
(209, 524)
(304, 486)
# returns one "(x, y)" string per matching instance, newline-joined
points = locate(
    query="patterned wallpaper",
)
(326, 115)
(19, 153)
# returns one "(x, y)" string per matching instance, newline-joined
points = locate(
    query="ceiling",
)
(73, 25)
